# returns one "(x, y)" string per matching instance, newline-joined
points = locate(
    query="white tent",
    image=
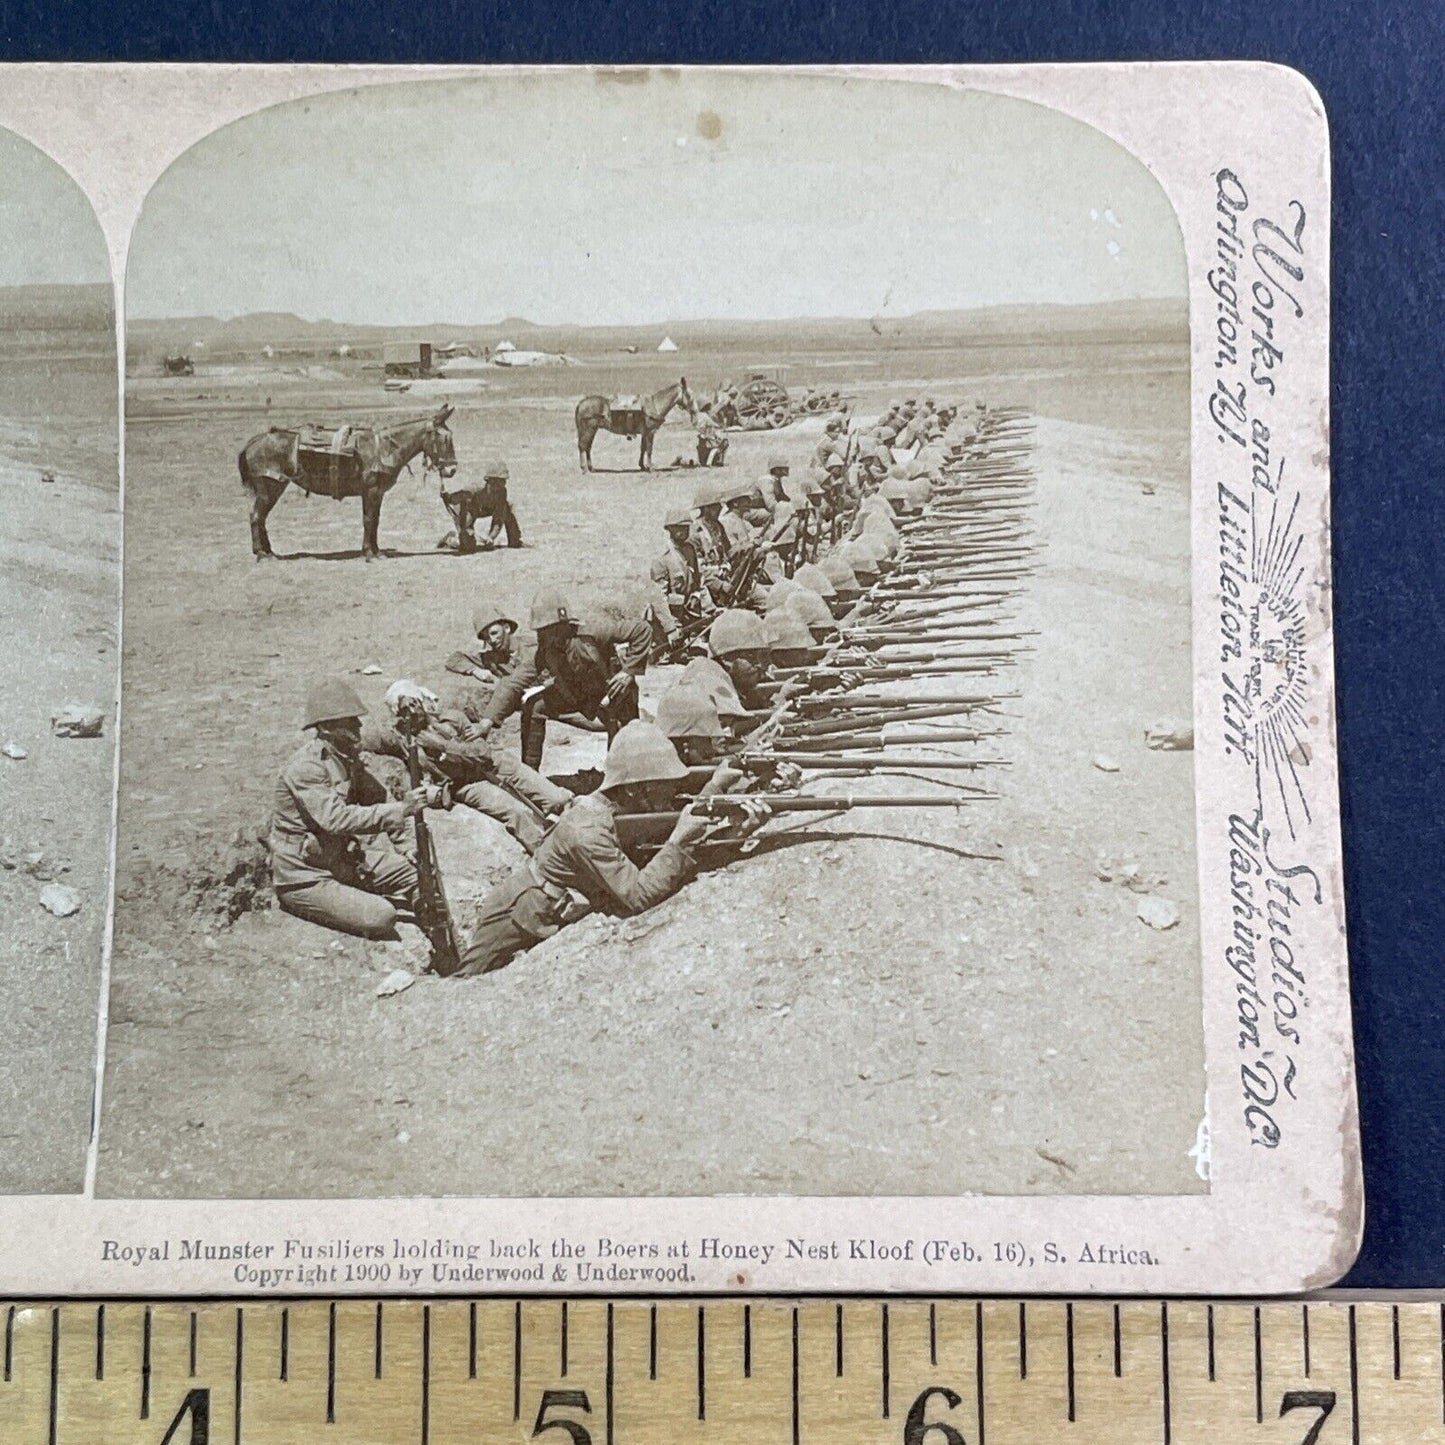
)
(503, 346)
(668, 344)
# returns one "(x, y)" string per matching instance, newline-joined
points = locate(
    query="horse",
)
(594, 414)
(367, 468)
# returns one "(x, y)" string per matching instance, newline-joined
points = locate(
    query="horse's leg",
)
(644, 456)
(265, 493)
(586, 435)
(371, 496)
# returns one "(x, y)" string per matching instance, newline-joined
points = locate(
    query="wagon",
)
(762, 405)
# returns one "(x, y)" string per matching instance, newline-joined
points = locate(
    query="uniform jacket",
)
(738, 530)
(582, 852)
(322, 804)
(677, 572)
(710, 542)
(580, 665)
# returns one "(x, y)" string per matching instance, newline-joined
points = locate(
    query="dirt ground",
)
(59, 612)
(862, 1014)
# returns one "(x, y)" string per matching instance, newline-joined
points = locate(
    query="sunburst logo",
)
(1277, 683)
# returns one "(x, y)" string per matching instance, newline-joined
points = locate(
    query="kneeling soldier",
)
(335, 858)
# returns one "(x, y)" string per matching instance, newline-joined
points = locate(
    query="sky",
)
(579, 199)
(48, 232)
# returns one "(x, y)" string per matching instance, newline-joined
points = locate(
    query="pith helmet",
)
(919, 490)
(641, 753)
(331, 700)
(839, 573)
(736, 631)
(779, 593)
(815, 579)
(549, 607)
(703, 672)
(786, 631)
(860, 558)
(835, 461)
(686, 711)
(894, 489)
(777, 462)
(706, 496)
(879, 539)
(810, 610)
(813, 487)
(487, 612)
(677, 517)
(496, 471)
(834, 423)
(738, 492)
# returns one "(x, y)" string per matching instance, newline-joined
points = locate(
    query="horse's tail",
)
(244, 467)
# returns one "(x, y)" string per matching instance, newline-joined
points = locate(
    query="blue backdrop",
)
(1378, 66)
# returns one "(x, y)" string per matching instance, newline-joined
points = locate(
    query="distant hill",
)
(284, 331)
(56, 308)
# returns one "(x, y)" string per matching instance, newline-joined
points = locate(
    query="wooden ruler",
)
(814, 1372)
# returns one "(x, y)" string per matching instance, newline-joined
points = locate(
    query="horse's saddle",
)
(626, 414)
(327, 458)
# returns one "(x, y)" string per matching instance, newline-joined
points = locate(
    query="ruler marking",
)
(54, 1374)
(377, 1345)
(1305, 1322)
(1395, 1333)
(796, 1431)
(193, 1345)
(933, 1334)
(1258, 1371)
(651, 1343)
(425, 1374)
(609, 1384)
(1209, 1330)
(747, 1342)
(883, 1357)
(701, 1364)
(1023, 1341)
(1164, 1362)
(1118, 1346)
(562, 1362)
(978, 1367)
(285, 1344)
(1069, 1355)
(145, 1367)
(472, 1341)
(1442, 1359)
(838, 1342)
(100, 1343)
(1354, 1384)
(331, 1366)
(10, 1338)
(240, 1354)
(517, 1361)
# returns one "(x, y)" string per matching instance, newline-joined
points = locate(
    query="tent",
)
(503, 346)
(668, 344)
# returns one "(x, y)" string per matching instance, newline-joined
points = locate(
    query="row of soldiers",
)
(753, 582)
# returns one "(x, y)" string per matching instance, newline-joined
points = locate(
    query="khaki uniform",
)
(581, 855)
(679, 574)
(494, 784)
(710, 542)
(334, 858)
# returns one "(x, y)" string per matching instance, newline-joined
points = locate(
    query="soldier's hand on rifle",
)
(618, 684)
(752, 813)
(478, 731)
(786, 777)
(723, 777)
(690, 828)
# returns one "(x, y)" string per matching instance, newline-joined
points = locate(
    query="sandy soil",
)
(59, 613)
(856, 1015)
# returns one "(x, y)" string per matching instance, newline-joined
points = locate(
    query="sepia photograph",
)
(60, 610)
(658, 652)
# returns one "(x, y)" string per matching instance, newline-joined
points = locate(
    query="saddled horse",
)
(366, 466)
(596, 413)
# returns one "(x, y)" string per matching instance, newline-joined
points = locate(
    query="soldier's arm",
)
(322, 802)
(468, 662)
(506, 697)
(607, 872)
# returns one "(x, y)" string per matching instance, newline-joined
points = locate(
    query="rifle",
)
(433, 914)
(642, 829)
(676, 647)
